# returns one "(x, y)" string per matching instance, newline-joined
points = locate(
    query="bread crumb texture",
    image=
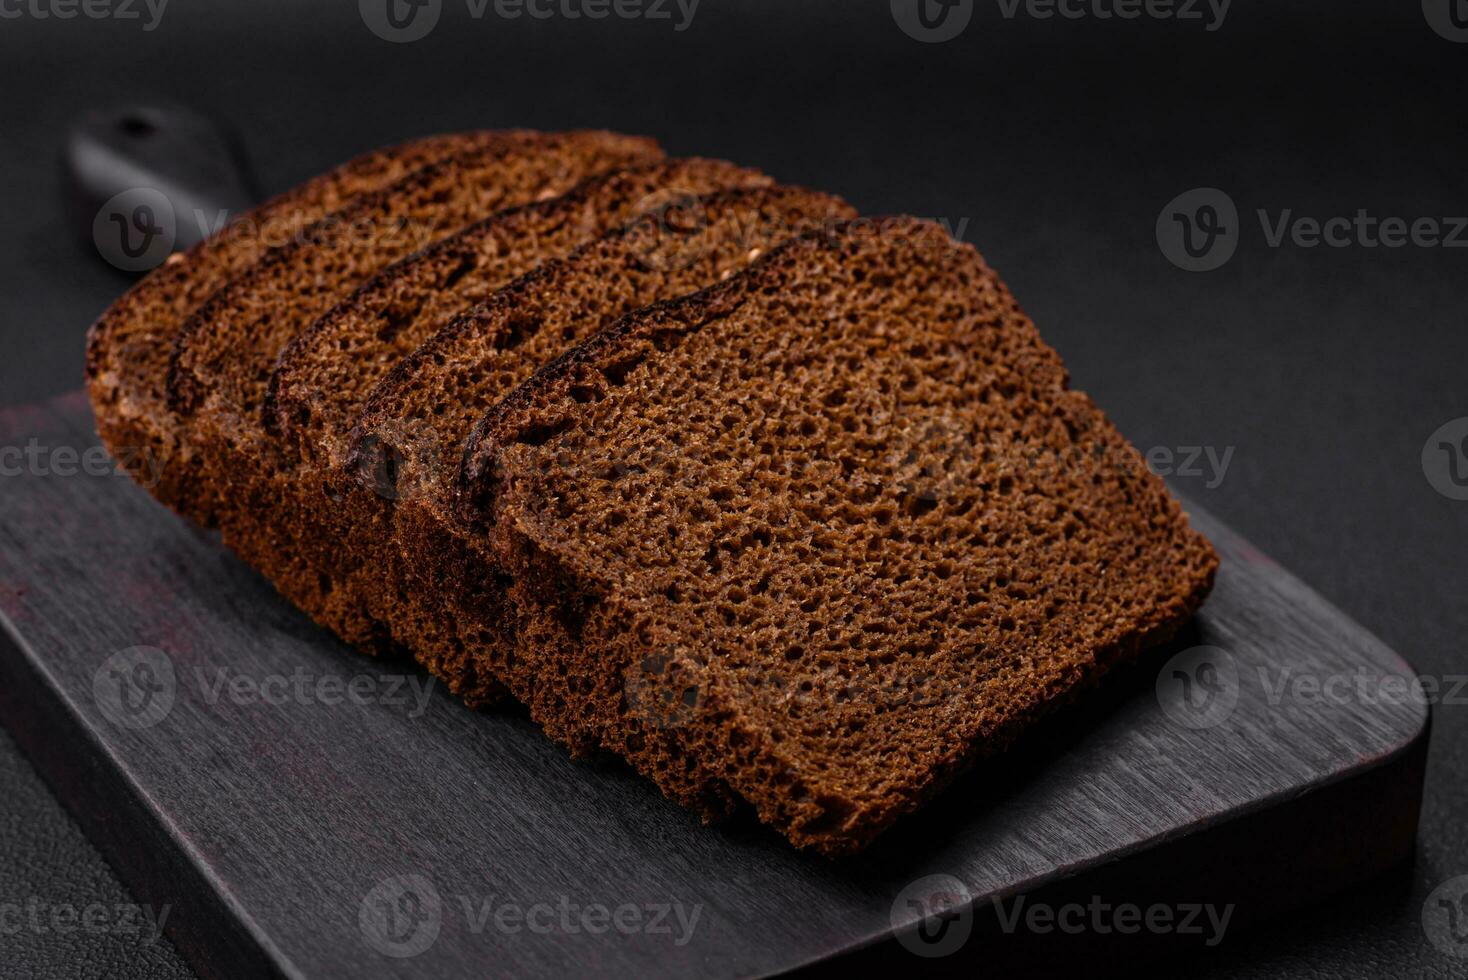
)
(845, 512)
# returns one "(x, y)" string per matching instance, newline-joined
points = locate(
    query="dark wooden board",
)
(269, 817)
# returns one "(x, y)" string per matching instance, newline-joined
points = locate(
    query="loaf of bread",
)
(793, 511)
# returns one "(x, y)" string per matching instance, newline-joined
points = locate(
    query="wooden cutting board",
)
(308, 812)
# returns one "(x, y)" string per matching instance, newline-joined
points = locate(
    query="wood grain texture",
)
(289, 778)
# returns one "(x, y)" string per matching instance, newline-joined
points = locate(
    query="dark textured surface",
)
(1059, 142)
(46, 860)
(234, 781)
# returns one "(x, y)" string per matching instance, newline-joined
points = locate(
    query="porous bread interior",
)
(847, 500)
(223, 356)
(449, 382)
(422, 411)
(342, 567)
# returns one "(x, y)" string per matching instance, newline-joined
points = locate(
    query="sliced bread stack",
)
(791, 510)
(224, 354)
(321, 380)
(129, 347)
(480, 358)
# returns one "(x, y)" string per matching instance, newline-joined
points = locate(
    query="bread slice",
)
(224, 354)
(417, 419)
(128, 347)
(340, 529)
(837, 527)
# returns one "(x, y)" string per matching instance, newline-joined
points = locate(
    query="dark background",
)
(1057, 142)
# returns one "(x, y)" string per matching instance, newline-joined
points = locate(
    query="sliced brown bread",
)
(836, 527)
(340, 529)
(321, 379)
(443, 593)
(128, 347)
(224, 353)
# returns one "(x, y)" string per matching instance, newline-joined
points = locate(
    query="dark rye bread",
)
(321, 380)
(439, 591)
(341, 530)
(224, 354)
(128, 347)
(837, 528)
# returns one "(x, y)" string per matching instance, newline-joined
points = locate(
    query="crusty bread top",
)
(850, 494)
(224, 354)
(322, 378)
(129, 345)
(423, 410)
